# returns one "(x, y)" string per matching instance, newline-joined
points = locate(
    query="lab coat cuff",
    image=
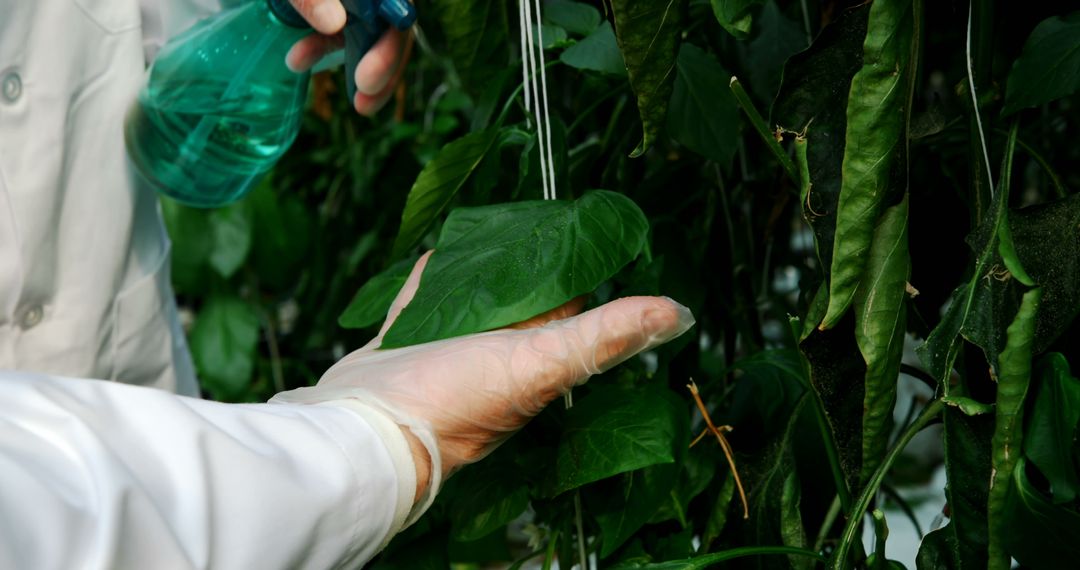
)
(355, 399)
(400, 455)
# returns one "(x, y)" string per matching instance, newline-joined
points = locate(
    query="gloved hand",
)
(378, 72)
(462, 397)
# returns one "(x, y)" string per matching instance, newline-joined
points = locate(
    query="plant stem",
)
(854, 517)
(881, 534)
(763, 130)
(1059, 188)
(826, 525)
(580, 524)
(705, 561)
(549, 556)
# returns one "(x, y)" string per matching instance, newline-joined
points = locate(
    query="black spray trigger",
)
(366, 23)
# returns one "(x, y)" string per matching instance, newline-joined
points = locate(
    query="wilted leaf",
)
(648, 35)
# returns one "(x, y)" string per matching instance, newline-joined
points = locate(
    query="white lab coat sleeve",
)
(96, 474)
(163, 19)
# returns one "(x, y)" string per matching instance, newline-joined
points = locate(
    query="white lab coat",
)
(98, 474)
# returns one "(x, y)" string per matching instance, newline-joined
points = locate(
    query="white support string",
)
(546, 113)
(536, 100)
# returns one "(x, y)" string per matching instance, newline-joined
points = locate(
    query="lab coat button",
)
(11, 87)
(32, 316)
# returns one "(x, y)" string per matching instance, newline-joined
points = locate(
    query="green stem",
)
(826, 525)
(709, 559)
(549, 556)
(854, 517)
(881, 534)
(1059, 188)
(763, 130)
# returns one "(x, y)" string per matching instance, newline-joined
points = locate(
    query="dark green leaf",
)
(875, 135)
(615, 431)
(735, 15)
(837, 371)
(371, 303)
(426, 552)
(1041, 534)
(223, 342)
(497, 265)
(552, 36)
(791, 527)
(961, 544)
(703, 114)
(477, 35)
(575, 17)
(813, 97)
(623, 506)
(773, 488)
(598, 52)
(718, 515)
(778, 39)
(488, 496)
(1014, 376)
(437, 185)
(192, 243)
(880, 324)
(284, 228)
(648, 35)
(1049, 67)
(1050, 439)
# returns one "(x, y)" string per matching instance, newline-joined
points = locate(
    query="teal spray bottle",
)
(220, 106)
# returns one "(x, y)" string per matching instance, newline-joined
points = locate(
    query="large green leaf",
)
(497, 265)
(223, 342)
(880, 324)
(813, 98)
(487, 497)
(1050, 441)
(477, 35)
(1049, 67)
(597, 52)
(648, 34)
(876, 132)
(613, 431)
(575, 17)
(437, 185)
(735, 15)
(622, 507)
(703, 114)
(1014, 377)
(1041, 534)
(371, 303)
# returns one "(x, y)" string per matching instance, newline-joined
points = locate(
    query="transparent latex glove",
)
(379, 71)
(462, 397)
